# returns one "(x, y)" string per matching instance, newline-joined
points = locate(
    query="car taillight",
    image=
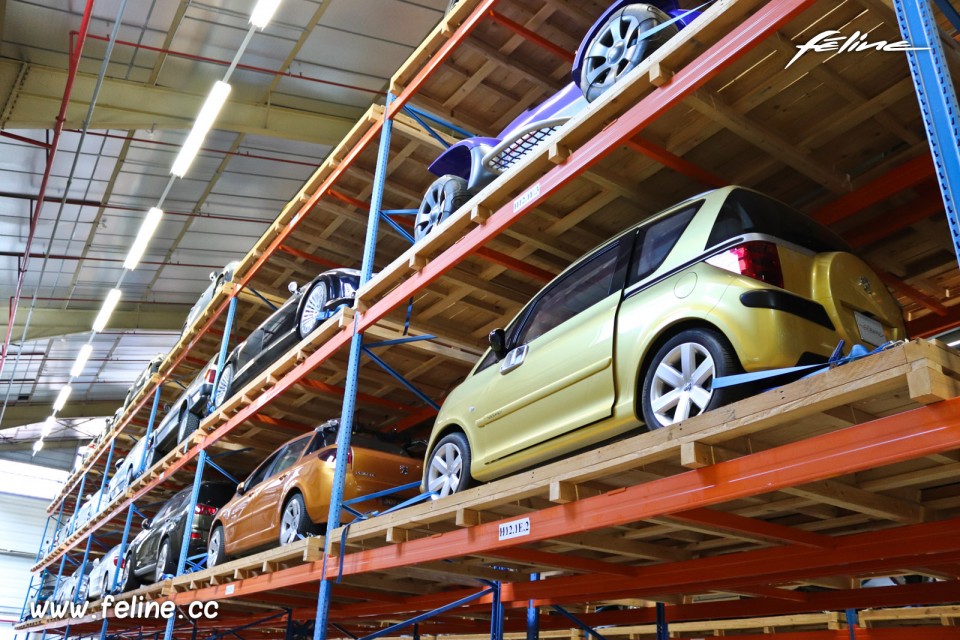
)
(205, 510)
(331, 457)
(757, 259)
(194, 535)
(211, 376)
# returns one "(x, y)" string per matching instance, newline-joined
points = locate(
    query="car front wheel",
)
(312, 309)
(128, 579)
(618, 47)
(188, 424)
(216, 549)
(294, 521)
(448, 470)
(224, 384)
(442, 199)
(678, 384)
(165, 564)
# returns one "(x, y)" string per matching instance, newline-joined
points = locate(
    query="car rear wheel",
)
(216, 548)
(617, 48)
(312, 309)
(128, 579)
(165, 563)
(223, 390)
(105, 587)
(678, 384)
(445, 196)
(188, 424)
(449, 468)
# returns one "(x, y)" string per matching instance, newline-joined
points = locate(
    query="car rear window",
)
(749, 212)
(656, 240)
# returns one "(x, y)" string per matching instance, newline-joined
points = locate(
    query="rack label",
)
(230, 589)
(515, 529)
(526, 197)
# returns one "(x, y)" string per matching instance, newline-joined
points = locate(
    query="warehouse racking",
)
(869, 444)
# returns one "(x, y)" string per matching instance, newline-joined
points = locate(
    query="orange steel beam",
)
(771, 531)
(414, 418)
(675, 162)
(332, 390)
(289, 425)
(309, 257)
(532, 36)
(562, 561)
(933, 324)
(721, 55)
(905, 436)
(902, 177)
(914, 294)
(927, 203)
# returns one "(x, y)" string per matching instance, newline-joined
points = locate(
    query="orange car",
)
(288, 495)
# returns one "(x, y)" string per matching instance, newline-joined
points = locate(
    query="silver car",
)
(217, 279)
(104, 573)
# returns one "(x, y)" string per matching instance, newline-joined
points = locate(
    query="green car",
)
(636, 331)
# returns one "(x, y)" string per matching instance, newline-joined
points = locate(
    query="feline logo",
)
(834, 41)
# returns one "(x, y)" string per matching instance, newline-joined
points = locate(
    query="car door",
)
(264, 513)
(237, 526)
(558, 373)
(159, 525)
(279, 333)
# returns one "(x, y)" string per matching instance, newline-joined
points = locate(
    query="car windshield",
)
(366, 440)
(749, 212)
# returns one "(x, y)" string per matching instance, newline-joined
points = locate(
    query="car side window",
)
(656, 241)
(576, 292)
(289, 455)
(257, 476)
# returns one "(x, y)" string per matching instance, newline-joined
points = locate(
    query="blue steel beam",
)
(153, 417)
(438, 120)
(396, 227)
(533, 614)
(353, 368)
(386, 631)
(663, 630)
(938, 102)
(187, 529)
(580, 623)
(433, 134)
(122, 555)
(224, 344)
(396, 341)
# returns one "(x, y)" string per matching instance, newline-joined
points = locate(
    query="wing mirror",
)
(293, 286)
(498, 343)
(213, 276)
(119, 464)
(145, 524)
(241, 489)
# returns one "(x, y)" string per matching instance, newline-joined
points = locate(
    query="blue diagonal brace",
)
(577, 621)
(406, 383)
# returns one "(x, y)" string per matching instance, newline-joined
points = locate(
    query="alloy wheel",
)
(312, 311)
(222, 392)
(290, 522)
(683, 383)
(161, 562)
(213, 547)
(446, 470)
(431, 210)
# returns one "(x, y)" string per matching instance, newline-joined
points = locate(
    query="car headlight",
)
(348, 289)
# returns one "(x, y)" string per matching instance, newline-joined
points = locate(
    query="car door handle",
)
(282, 477)
(514, 359)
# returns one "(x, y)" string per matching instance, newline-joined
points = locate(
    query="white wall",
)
(21, 526)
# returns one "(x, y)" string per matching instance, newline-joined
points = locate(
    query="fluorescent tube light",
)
(100, 323)
(81, 360)
(48, 426)
(208, 114)
(62, 397)
(147, 229)
(263, 12)
(37, 446)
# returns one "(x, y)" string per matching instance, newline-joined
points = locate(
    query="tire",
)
(678, 383)
(448, 469)
(188, 424)
(128, 579)
(224, 385)
(615, 51)
(294, 520)
(216, 547)
(312, 309)
(165, 562)
(105, 588)
(442, 199)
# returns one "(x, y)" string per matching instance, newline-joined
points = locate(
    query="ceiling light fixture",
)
(208, 114)
(147, 229)
(37, 446)
(62, 397)
(263, 12)
(48, 426)
(100, 323)
(81, 360)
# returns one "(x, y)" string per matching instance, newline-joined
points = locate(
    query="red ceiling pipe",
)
(533, 37)
(223, 152)
(107, 205)
(245, 67)
(13, 136)
(76, 50)
(17, 254)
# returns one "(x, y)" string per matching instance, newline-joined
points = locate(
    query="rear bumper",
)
(789, 303)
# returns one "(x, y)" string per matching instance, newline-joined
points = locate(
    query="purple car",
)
(618, 41)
